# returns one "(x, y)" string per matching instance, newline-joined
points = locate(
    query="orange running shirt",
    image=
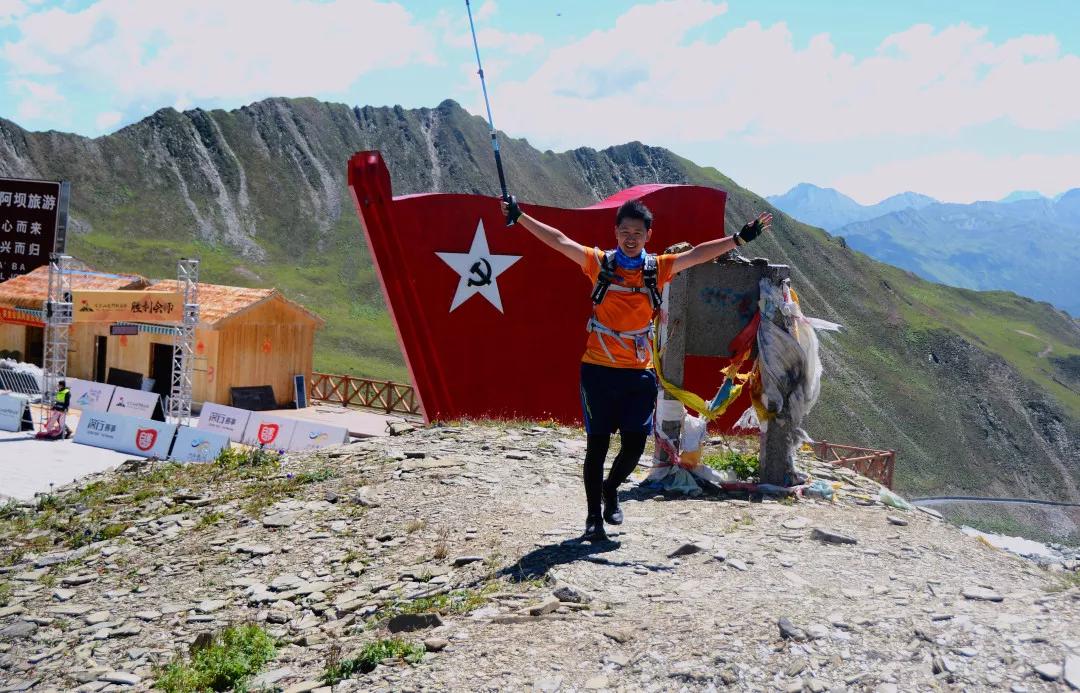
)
(622, 311)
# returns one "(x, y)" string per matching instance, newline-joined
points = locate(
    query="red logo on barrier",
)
(267, 433)
(145, 438)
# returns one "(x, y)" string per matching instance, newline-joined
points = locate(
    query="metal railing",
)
(16, 381)
(873, 464)
(363, 392)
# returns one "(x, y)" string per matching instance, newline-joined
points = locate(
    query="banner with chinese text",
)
(127, 306)
(14, 316)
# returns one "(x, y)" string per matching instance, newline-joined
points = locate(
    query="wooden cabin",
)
(245, 337)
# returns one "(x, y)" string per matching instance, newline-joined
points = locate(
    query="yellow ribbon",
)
(693, 401)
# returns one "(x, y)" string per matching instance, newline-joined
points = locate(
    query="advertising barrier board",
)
(198, 445)
(12, 410)
(128, 434)
(133, 402)
(228, 420)
(269, 431)
(102, 429)
(90, 396)
(148, 438)
(309, 434)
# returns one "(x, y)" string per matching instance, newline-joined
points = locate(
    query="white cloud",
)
(10, 10)
(644, 79)
(207, 49)
(486, 11)
(39, 100)
(107, 119)
(456, 33)
(963, 176)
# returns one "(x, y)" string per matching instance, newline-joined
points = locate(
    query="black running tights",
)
(631, 445)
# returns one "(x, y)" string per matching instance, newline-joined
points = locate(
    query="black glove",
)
(512, 211)
(749, 232)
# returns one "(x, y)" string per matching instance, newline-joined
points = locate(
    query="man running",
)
(618, 384)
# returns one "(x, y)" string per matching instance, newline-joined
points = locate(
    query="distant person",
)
(61, 404)
(618, 383)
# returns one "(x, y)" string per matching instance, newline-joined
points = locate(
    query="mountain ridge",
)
(829, 208)
(1025, 243)
(259, 194)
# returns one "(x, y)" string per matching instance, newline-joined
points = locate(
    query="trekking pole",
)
(494, 137)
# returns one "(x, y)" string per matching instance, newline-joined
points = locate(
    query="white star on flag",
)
(478, 270)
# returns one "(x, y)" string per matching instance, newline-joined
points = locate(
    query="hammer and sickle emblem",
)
(483, 273)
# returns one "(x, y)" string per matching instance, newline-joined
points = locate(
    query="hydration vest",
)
(606, 282)
(607, 276)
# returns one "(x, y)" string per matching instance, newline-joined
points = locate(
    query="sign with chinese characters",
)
(90, 396)
(127, 306)
(269, 431)
(311, 434)
(12, 410)
(228, 420)
(134, 402)
(14, 316)
(197, 445)
(33, 223)
(127, 434)
(102, 430)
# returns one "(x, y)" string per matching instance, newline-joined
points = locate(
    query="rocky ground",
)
(460, 540)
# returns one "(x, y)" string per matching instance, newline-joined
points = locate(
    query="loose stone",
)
(1049, 671)
(405, 623)
(831, 537)
(981, 594)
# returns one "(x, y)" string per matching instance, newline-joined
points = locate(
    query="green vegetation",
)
(86, 516)
(1066, 581)
(370, 656)
(5, 593)
(453, 603)
(222, 664)
(743, 464)
(96, 532)
(317, 475)
(245, 458)
(209, 520)
(1007, 523)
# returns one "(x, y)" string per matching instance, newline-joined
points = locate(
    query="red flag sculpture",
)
(491, 321)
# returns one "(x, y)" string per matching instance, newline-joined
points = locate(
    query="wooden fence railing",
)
(873, 464)
(363, 392)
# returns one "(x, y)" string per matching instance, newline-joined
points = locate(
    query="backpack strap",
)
(606, 276)
(648, 276)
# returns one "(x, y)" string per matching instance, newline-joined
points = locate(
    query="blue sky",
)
(959, 100)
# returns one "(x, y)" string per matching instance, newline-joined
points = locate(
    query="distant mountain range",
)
(1025, 242)
(830, 209)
